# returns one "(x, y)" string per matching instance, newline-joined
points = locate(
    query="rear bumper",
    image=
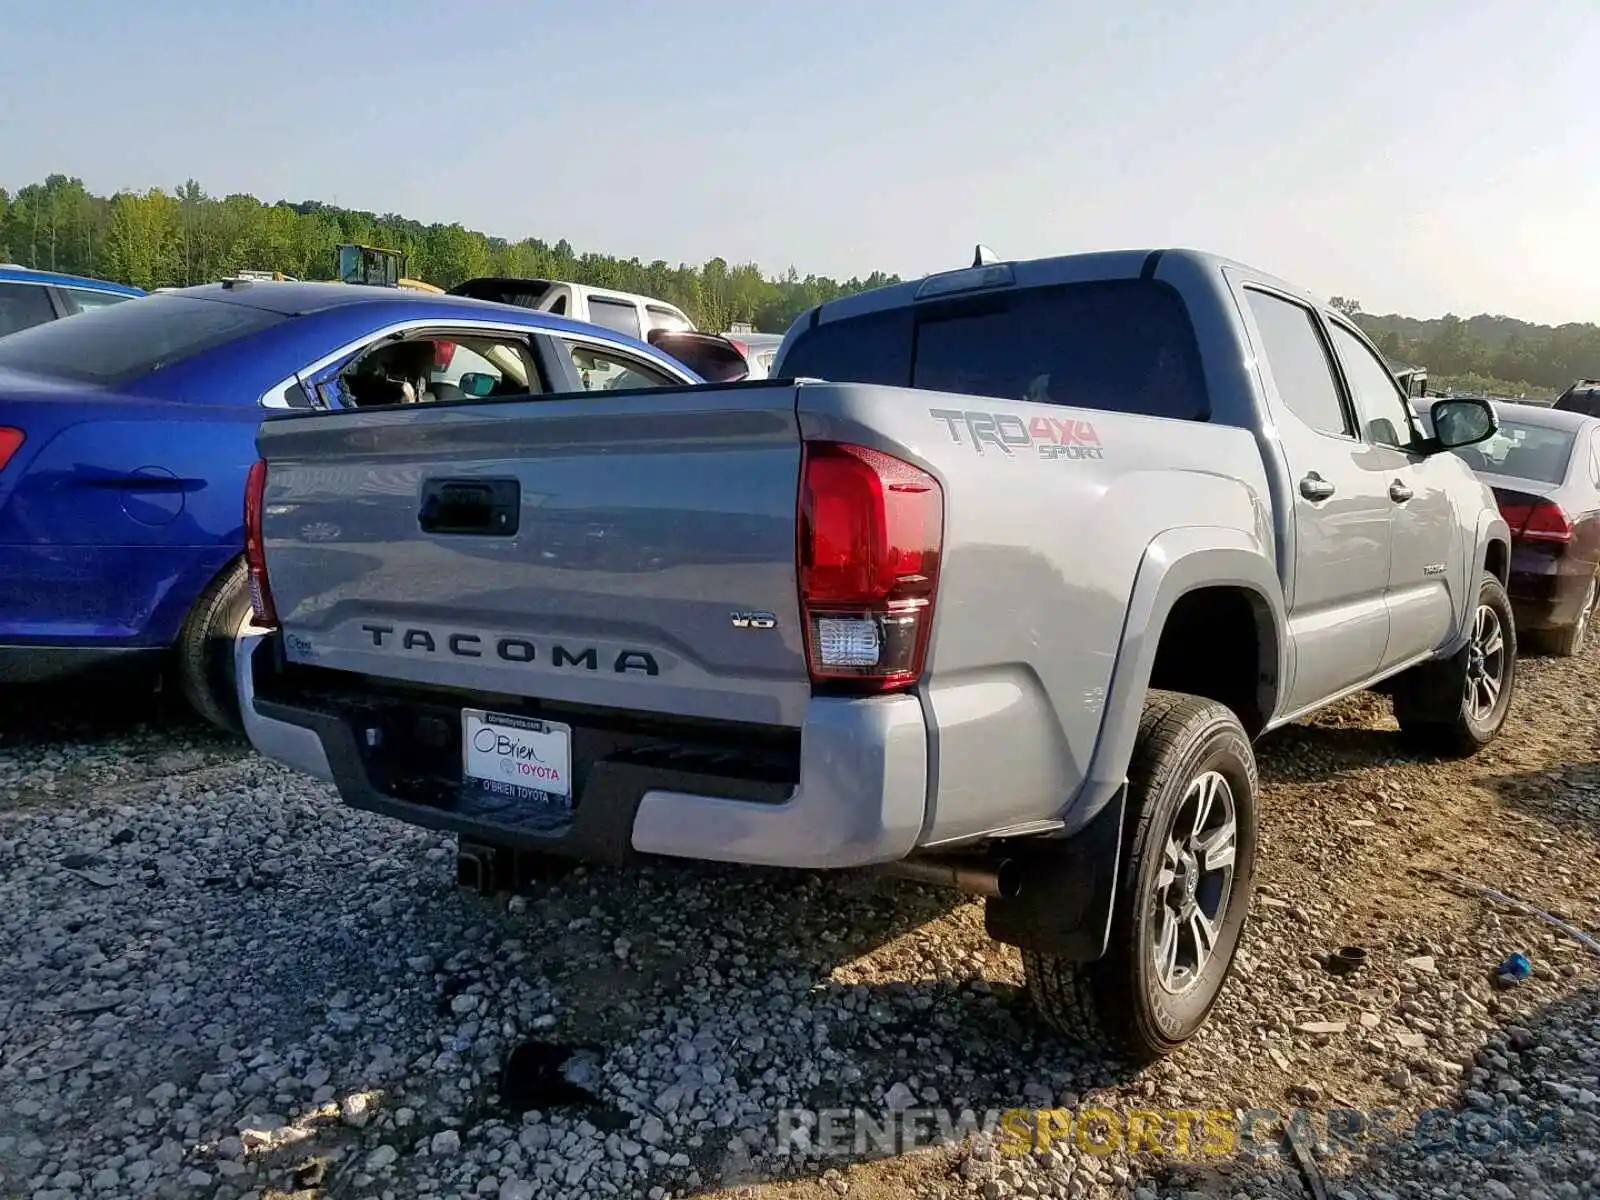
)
(1547, 590)
(293, 745)
(858, 797)
(861, 797)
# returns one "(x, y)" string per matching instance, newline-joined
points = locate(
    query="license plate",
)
(517, 756)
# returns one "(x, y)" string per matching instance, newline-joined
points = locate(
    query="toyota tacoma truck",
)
(993, 583)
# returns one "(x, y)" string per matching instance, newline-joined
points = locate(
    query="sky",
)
(1423, 156)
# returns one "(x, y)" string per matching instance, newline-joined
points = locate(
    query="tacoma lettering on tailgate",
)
(509, 649)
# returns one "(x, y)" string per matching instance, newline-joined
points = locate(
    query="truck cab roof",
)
(1037, 272)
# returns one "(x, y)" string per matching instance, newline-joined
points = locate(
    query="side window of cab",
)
(1298, 362)
(1381, 406)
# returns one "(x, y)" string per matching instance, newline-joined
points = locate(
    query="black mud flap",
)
(1067, 889)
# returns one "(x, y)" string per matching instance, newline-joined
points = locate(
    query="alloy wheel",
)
(1194, 883)
(1486, 663)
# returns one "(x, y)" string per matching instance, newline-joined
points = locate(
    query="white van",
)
(625, 312)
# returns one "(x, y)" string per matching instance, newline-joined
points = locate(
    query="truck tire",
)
(205, 648)
(1457, 706)
(1182, 899)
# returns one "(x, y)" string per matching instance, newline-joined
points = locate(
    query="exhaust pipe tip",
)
(1007, 879)
(988, 877)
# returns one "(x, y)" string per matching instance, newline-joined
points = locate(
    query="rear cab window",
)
(1120, 345)
(121, 342)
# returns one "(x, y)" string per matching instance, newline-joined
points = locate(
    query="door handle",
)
(1399, 492)
(1315, 487)
(487, 507)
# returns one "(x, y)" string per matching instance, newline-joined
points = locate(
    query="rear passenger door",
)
(1338, 618)
(1428, 567)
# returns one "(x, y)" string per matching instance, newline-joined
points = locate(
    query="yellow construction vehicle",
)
(378, 268)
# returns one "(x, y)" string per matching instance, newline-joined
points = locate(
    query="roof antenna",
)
(983, 256)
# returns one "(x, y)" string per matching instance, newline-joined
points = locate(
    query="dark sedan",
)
(1544, 467)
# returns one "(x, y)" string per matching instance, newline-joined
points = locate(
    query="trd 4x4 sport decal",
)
(1007, 432)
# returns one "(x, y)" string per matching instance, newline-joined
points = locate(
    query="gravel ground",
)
(217, 982)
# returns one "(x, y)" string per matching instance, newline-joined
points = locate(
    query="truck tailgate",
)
(632, 551)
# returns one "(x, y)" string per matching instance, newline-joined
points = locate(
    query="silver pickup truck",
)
(1001, 604)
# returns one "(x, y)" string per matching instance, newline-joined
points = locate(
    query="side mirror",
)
(1464, 421)
(476, 384)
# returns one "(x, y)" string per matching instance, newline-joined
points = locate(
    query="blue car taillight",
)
(10, 439)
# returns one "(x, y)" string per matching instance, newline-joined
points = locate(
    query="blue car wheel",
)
(205, 648)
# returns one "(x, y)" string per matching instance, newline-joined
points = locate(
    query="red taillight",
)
(1540, 521)
(10, 440)
(443, 352)
(871, 533)
(255, 555)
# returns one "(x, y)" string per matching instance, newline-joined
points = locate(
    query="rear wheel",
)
(1457, 706)
(1183, 888)
(205, 648)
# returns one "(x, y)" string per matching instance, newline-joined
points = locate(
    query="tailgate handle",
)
(485, 507)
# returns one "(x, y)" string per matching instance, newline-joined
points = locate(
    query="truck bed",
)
(626, 564)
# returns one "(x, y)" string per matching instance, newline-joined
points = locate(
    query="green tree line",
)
(161, 238)
(1495, 354)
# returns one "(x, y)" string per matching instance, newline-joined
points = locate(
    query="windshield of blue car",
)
(121, 342)
(1536, 452)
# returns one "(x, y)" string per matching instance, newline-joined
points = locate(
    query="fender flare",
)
(1492, 527)
(1175, 563)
